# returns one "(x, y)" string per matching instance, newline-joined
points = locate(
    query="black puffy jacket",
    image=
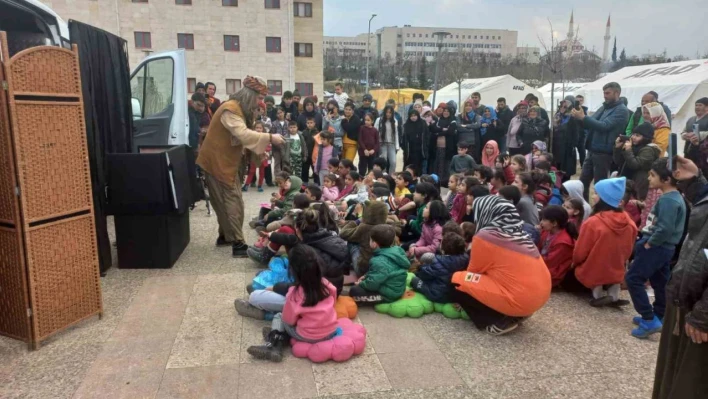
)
(437, 275)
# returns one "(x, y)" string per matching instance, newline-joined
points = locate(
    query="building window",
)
(229, 3)
(408, 35)
(191, 85)
(420, 35)
(140, 1)
(231, 43)
(183, 2)
(303, 49)
(272, 44)
(475, 37)
(487, 37)
(305, 89)
(272, 4)
(232, 86)
(185, 41)
(302, 9)
(275, 87)
(143, 40)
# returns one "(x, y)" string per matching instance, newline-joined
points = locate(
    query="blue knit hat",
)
(611, 191)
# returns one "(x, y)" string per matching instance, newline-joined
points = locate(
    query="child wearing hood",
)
(537, 149)
(488, 125)
(358, 233)
(634, 157)
(603, 247)
(280, 202)
(385, 280)
(433, 279)
(574, 189)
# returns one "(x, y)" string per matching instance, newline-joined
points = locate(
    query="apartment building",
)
(413, 41)
(225, 40)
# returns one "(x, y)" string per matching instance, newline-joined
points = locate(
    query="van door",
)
(159, 100)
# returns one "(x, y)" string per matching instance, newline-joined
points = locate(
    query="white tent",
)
(560, 91)
(679, 85)
(491, 88)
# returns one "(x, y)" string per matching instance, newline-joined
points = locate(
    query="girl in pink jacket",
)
(330, 188)
(308, 314)
(435, 216)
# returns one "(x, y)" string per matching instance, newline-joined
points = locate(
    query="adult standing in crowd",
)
(339, 95)
(468, 125)
(350, 124)
(416, 137)
(533, 128)
(695, 134)
(566, 131)
(582, 135)
(504, 117)
(477, 105)
(637, 117)
(399, 125)
(271, 110)
(220, 158)
(444, 131)
(309, 110)
(654, 113)
(514, 141)
(682, 363)
(367, 108)
(198, 119)
(506, 279)
(212, 102)
(289, 106)
(604, 126)
(332, 123)
(296, 101)
(387, 126)
(533, 102)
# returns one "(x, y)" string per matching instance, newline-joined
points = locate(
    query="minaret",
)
(570, 26)
(606, 48)
(569, 45)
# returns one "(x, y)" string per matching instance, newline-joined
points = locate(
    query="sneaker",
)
(260, 255)
(244, 188)
(270, 352)
(637, 319)
(503, 326)
(600, 302)
(647, 328)
(245, 309)
(260, 189)
(238, 250)
(221, 242)
(416, 283)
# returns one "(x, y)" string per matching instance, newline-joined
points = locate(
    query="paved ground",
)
(174, 334)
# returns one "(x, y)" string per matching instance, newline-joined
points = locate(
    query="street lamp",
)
(440, 36)
(368, 40)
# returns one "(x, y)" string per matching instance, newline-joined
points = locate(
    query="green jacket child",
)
(286, 203)
(387, 273)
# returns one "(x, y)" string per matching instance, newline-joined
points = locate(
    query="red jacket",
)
(510, 176)
(559, 255)
(368, 140)
(605, 244)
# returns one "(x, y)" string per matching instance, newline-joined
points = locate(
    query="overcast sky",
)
(640, 26)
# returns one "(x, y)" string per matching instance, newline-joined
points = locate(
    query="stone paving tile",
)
(455, 392)
(388, 334)
(212, 382)
(419, 369)
(359, 374)
(266, 380)
(210, 333)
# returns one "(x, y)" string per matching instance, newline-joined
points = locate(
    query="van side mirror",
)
(137, 109)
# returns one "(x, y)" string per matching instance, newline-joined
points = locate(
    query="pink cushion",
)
(340, 348)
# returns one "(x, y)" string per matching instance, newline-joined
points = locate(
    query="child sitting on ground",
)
(459, 204)
(558, 237)
(281, 202)
(576, 211)
(412, 170)
(264, 250)
(386, 279)
(358, 234)
(518, 164)
(503, 163)
(433, 280)
(654, 251)
(473, 191)
(449, 198)
(527, 205)
(603, 247)
(513, 195)
(308, 312)
(462, 162)
(497, 181)
(424, 193)
(484, 174)
(381, 164)
(468, 231)
(435, 216)
(330, 189)
(538, 147)
(350, 180)
(403, 180)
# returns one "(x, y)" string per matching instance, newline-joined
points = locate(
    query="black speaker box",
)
(151, 242)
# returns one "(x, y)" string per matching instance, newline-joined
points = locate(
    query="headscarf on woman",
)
(490, 160)
(500, 217)
(658, 115)
(488, 121)
(428, 119)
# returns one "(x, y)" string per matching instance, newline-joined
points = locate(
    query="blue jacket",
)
(436, 276)
(605, 125)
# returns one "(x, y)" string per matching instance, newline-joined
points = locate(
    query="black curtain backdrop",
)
(105, 80)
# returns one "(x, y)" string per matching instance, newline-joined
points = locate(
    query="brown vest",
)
(217, 156)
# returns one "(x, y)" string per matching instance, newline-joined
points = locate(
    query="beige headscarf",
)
(658, 116)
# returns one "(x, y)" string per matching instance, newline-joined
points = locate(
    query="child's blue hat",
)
(611, 191)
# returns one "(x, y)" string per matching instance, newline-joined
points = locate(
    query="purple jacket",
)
(430, 239)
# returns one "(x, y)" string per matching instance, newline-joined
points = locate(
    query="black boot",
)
(221, 241)
(238, 250)
(272, 350)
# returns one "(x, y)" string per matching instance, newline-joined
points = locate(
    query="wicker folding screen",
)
(49, 277)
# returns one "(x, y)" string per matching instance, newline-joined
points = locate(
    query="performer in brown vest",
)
(230, 132)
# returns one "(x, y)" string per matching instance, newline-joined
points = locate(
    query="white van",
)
(158, 83)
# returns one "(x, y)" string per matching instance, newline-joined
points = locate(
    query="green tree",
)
(614, 51)
(623, 58)
(409, 74)
(423, 74)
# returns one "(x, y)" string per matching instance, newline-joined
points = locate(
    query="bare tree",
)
(455, 68)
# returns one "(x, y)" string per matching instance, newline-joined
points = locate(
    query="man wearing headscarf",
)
(507, 279)
(230, 132)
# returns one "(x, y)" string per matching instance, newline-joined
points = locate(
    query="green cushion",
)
(451, 310)
(412, 304)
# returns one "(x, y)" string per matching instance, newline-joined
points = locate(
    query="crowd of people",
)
(512, 224)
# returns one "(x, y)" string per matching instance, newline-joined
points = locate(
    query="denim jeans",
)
(649, 264)
(267, 300)
(388, 151)
(281, 326)
(355, 253)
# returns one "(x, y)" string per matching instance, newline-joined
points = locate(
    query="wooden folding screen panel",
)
(49, 174)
